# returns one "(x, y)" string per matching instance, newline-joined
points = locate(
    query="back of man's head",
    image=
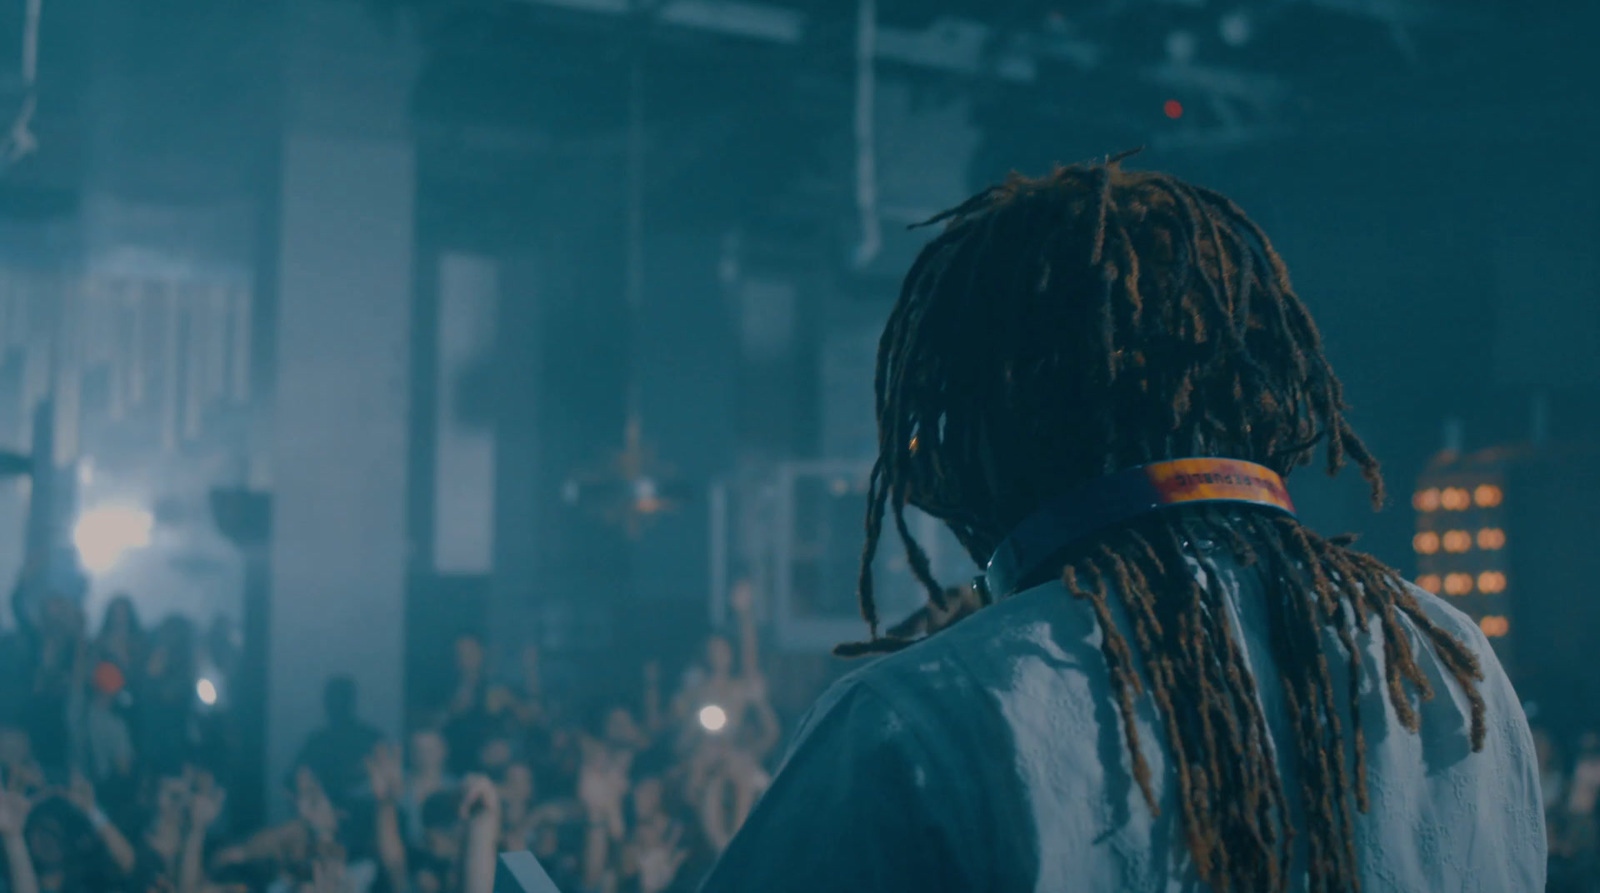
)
(1070, 327)
(1064, 327)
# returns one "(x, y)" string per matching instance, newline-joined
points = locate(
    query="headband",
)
(1123, 496)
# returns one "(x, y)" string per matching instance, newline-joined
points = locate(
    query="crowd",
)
(1570, 778)
(116, 753)
(114, 771)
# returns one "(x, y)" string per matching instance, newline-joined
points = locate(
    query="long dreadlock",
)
(1069, 326)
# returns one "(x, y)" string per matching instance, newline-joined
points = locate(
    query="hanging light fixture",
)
(635, 487)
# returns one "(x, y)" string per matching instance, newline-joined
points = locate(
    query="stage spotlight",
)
(103, 535)
(713, 718)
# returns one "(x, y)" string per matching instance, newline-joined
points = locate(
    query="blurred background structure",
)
(352, 334)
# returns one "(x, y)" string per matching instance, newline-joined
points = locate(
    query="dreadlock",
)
(1069, 326)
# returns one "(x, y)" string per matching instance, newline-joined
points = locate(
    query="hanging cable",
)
(634, 288)
(866, 139)
(19, 140)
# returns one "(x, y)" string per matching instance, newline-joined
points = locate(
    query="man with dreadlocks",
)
(1099, 380)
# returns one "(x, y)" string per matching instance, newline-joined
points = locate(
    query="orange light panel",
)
(1457, 584)
(1455, 499)
(1426, 542)
(1426, 500)
(1430, 583)
(1457, 541)
(1488, 496)
(1494, 626)
(1491, 582)
(1491, 538)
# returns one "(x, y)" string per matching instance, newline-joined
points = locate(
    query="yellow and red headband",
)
(1121, 497)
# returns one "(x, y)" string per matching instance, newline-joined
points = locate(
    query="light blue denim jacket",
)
(991, 758)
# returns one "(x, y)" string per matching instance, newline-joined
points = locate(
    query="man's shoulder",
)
(1042, 622)
(1448, 617)
(955, 674)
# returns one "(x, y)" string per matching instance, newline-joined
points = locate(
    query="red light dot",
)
(1173, 108)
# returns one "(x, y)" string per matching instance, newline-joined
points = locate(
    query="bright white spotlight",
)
(104, 534)
(207, 690)
(713, 718)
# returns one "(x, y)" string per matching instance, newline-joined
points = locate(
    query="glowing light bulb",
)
(1457, 541)
(1426, 500)
(1426, 542)
(1457, 584)
(713, 718)
(1488, 496)
(207, 692)
(646, 497)
(1491, 538)
(1455, 499)
(103, 535)
(1491, 582)
(1430, 583)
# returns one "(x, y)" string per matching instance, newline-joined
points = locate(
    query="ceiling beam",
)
(957, 45)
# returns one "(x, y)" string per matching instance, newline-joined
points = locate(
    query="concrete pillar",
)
(524, 482)
(340, 429)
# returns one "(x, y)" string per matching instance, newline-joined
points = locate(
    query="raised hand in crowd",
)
(386, 776)
(313, 806)
(602, 785)
(17, 764)
(81, 793)
(14, 810)
(659, 858)
(743, 601)
(205, 807)
(328, 874)
(480, 808)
